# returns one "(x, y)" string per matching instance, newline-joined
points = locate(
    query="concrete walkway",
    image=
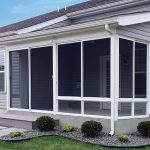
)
(5, 130)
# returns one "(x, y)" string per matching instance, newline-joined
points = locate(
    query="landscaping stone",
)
(5, 131)
(135, 140)
(2, 127)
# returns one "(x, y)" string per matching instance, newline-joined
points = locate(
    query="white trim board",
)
(136, 18)
(42, 25)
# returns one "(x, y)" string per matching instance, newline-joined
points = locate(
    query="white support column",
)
(148, 80)
(29, 68)
(82, 79)
(114, 80)
(7, 78)
(112, 54)
(55, 102)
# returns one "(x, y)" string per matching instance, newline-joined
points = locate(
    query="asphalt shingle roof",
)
(54, 14)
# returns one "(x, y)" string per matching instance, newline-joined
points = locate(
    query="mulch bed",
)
(103, 139)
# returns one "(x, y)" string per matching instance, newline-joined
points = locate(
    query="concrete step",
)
(20, 120)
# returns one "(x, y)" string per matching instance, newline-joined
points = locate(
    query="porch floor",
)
(17, 115)
(20, 119)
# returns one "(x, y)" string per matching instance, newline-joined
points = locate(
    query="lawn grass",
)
(54, 143)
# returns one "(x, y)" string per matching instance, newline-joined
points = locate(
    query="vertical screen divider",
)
(29, 68)
(82, 78)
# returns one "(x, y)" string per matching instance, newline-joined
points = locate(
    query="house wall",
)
(128, 125)
(3, 97)
(138, 31)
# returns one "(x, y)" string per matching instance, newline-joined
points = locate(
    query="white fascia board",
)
(133, 19)
(42, 25)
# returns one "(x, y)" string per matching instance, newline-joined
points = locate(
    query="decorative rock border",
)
(136, 141)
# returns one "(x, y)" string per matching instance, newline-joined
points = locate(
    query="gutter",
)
(8, 33)
(107, 28)
(103, 8)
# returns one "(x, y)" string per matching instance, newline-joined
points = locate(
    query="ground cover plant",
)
(15, 134)
(67, 128)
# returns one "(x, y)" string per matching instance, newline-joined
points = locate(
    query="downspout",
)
(112, 132)
(107, 28)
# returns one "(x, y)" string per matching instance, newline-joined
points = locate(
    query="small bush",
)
(67, 128)
(91, 128)
(45, 123)
(15, 134)
(144, 128)
(123, 138)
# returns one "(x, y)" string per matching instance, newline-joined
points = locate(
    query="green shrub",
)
(91, 128)
(15, 134)
(144, 128)
(45, 123)
(123, 138)
(67, 128)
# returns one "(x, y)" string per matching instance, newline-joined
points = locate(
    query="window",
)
(41, 79)
(140, 108)
(124, 109)
(126, 68)
(19, 77)
(132, 77)
(140, 70)
(70, 106)
(97, 68)
(69, 69)
(133, 69)
(97, 108)
(93, 66)
(2, 71)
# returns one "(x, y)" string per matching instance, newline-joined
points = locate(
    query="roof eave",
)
(104, 8)
(54, 32)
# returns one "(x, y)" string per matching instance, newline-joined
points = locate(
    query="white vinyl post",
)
(29, 73)
(55, 103)
(116, 72)
(82, 79)
(112, 66)
(8, 78)
(148, 80)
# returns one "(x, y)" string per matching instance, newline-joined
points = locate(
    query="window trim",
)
(133, 69)
(133, 100)
(4, 52)
(82, 98)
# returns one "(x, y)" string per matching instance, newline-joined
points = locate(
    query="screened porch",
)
(103, 77)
